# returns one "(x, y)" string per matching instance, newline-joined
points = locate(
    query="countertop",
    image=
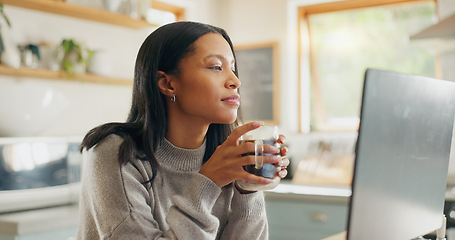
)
(288, 190)
(32, 221)
(38, 220)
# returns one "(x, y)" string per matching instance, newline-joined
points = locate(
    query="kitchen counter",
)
(287, 190)
(38, 221)
(290, 191)
(66, 217)
(49, 219)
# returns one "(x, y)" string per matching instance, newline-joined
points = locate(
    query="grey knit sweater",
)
(179, 204)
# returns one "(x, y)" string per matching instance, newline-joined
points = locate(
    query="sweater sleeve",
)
(115, 204)
(248, 219)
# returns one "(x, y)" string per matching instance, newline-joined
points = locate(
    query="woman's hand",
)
(226, 163)
(284, 162)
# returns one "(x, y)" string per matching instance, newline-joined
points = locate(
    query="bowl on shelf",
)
(27, 109)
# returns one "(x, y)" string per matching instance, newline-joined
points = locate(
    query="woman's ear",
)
(164, 83)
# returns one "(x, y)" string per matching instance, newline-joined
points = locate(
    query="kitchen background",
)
(74, 107)
(82, 106)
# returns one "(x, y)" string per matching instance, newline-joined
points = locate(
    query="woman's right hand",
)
(226, 163)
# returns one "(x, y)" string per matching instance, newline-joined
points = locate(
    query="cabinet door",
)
(305, 220)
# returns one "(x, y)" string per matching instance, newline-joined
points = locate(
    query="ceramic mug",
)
(260, 136)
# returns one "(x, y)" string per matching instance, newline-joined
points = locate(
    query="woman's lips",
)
(233, 99)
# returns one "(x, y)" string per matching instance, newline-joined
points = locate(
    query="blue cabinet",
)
(293, 219)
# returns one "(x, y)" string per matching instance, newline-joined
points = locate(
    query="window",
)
(347, 37)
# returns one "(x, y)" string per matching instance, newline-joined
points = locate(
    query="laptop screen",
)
(402, 156)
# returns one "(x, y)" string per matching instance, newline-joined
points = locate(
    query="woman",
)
(169, 171)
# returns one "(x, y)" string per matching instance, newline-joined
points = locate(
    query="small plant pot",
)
(75, 57)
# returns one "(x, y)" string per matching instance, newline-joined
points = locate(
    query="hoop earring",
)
(173, 98)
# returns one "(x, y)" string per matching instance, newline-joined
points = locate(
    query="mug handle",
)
(258, 153)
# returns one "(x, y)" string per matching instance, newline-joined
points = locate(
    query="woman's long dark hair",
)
(146, 125)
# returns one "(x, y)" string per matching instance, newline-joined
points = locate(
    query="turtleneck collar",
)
(171, 156)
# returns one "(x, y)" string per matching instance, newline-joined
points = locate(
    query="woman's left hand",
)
(284, 163)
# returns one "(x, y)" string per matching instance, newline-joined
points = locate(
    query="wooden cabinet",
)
(305, 220)
(65, 9)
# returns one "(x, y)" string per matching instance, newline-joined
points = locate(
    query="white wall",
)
(445, 8)
(447, 60)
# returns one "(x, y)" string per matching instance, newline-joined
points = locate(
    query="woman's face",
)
(206, 86)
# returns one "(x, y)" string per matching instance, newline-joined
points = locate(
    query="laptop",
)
(402, 156)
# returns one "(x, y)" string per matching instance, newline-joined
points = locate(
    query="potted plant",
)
(75, 56)
(3, 15)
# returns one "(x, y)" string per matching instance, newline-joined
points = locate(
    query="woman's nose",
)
(233, 82)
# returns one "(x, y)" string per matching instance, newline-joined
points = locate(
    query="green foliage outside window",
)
(347, 42)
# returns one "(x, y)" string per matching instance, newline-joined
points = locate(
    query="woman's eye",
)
(218, 68)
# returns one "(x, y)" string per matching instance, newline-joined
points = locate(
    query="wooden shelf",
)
(60, 75)
(72, 10)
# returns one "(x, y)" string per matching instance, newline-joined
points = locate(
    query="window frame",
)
(304, 33)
